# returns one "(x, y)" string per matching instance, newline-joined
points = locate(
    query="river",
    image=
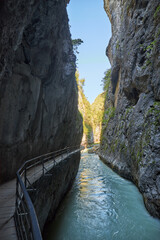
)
(102, 206)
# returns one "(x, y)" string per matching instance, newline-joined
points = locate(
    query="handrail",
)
(35, 229)
(26, 221)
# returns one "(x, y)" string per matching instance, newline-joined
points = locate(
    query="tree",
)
(76, 43)
(80, 82)
(106, 80)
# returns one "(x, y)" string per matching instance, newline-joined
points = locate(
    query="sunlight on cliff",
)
(117, 90)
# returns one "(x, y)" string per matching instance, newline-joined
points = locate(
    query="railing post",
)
(42, 166)
(16, 203)
(23, 200)
(67, 151)
(25, 177)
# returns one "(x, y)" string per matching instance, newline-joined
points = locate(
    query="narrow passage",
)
(102, 206)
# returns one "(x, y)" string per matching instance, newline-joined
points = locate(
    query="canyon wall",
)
(130, 141)
(97, 108)
(92, 114)
(85, 110)
(52, 188)
(38, 91)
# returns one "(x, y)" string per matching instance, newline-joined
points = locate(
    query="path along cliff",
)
(38, 101)
(130, 141)
(38, 91)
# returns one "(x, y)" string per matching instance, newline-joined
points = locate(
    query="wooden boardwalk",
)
(8, 194)
(7, 208)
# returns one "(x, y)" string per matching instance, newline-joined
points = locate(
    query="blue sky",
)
(89, 22)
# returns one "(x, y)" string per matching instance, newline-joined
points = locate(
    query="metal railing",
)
(26, 221)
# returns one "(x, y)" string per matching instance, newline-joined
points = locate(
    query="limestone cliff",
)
(130, 141)
(38, 92)
(97, 109)
(85, 110)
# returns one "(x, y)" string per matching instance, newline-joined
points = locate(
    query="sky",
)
(89, 22)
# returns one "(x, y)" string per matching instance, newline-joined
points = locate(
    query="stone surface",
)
(92, 115)
(130, 141)
(85, 110)
(97, 109)
(38, 92)
(52, 188)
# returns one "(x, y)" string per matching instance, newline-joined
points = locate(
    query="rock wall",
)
(38, 92)
(85, 110)
(92, 114)
(130, 141)
(52, 188)
(97, 109)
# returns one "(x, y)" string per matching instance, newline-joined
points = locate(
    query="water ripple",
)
(102, 206)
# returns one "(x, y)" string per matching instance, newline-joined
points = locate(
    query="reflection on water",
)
(102, 206)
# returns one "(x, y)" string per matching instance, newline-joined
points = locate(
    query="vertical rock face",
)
(38, 92)
(97, 108)
(85, 109)
(131, 136)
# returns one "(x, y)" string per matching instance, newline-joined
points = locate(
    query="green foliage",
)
(76, 43)
(157, 11)
(106, 80)
(158, 33)
(151, 46)
(149, 50)
(155, 112)
(152, 116)
(85, 109)
(92, 114)
(97, 108)
(129, 109)
(87, 130)
(122, 147)
(80, 82)
(117, 45)
(108, 114)
(139, 156)
(78, 119)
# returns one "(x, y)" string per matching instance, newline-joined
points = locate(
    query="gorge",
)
(97, 207)
(92, 115)
(38, 92)
(130, 142)
(130, 139)
(38, 101)
(39, 96)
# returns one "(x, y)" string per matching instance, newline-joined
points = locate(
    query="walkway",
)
(7, 208)
(7, 198)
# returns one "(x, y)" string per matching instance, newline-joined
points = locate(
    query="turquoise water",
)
(102, 206)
